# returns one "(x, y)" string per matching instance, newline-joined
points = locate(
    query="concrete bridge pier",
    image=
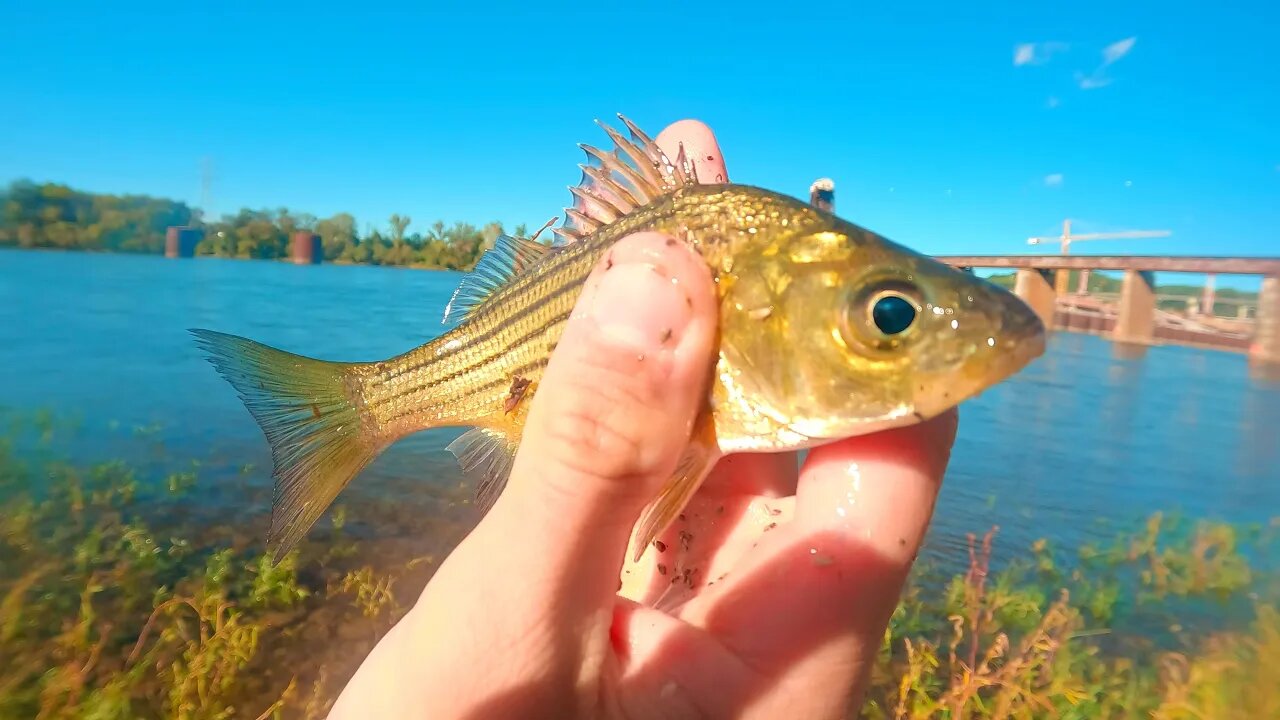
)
(1265, 349)
(1061, 282)
(1128, 351)
(1136, 318)
(1033, 286)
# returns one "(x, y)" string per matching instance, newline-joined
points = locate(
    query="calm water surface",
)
(1078, 445)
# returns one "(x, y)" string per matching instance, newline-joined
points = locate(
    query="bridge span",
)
(1041, 281)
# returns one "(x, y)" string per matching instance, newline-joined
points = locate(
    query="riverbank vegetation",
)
(58, 217)
(55, 216)
(120, 598)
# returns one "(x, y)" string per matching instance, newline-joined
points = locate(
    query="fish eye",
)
(881, 316)
(892, 313)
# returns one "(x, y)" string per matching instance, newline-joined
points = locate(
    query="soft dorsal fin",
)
(614, 183)
(507, 258)
(486, 455)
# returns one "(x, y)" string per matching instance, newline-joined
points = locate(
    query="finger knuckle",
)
(604, 420)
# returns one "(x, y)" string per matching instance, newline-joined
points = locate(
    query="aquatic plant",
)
(116, 604)
(1013, 653)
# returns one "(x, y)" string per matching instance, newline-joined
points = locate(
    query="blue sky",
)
(952, 130)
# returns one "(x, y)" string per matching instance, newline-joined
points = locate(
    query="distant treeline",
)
(50, 215)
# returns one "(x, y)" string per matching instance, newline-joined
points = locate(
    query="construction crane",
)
(1067, 238)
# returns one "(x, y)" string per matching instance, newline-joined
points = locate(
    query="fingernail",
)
(638, 302)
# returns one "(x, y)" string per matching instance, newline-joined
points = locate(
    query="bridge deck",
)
(1144, 263)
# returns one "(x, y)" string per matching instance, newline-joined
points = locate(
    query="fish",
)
(826, 330)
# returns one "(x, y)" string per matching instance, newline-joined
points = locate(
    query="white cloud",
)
(1052, 102)
(1092, 82)
(1117, 50)
(1110, 54)
(1053, 179)
(1035, 53)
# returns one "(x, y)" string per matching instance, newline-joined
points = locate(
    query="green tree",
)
(58, 216)
(398, 225)
(337, 235)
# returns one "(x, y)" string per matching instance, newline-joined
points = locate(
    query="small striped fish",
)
(827, 330)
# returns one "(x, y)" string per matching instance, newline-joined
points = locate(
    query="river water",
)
(1082, 442)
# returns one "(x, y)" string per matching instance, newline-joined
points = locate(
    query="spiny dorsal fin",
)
(613, 184)
(485, 455)
(507, 258)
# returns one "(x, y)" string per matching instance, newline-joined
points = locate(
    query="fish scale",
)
(804, 355)
(512, 337)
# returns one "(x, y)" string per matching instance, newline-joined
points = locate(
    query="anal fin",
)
(486, 455)
(695, 464)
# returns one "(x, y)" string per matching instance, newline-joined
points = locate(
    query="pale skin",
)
(540, 613)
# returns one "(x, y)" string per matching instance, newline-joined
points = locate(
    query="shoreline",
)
(282, 260)
(411, 266)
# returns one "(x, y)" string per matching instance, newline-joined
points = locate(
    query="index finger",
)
(834, 572)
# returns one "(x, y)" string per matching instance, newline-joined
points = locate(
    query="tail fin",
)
(317, 436)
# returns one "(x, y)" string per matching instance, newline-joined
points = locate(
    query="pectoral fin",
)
(695, 464)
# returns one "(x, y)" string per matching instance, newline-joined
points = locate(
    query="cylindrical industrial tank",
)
(180, 242)
(307, 248)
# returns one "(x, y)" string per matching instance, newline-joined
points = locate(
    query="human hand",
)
(792, 575)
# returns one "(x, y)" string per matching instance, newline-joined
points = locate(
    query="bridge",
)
(1133, 317)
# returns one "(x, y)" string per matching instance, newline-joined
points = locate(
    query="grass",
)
(117, 603)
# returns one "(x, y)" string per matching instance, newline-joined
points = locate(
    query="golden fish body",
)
(827, 330)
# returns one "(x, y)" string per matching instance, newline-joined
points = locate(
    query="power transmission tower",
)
(206, 189)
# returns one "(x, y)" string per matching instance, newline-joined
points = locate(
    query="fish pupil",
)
(893, 314)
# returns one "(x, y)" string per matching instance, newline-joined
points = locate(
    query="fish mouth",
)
(1015, 352)
(1026, 330)
(1022, 339)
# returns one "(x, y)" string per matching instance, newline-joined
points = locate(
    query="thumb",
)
(616, 405)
